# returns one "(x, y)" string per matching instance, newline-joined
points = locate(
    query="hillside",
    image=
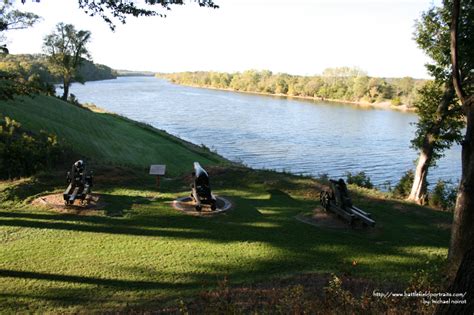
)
(138, 254)
(105, 137)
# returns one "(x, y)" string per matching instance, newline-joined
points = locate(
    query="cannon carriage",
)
(201, 190)
(337, 200)
(79, 181)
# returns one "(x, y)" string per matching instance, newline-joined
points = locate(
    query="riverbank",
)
(380, 105)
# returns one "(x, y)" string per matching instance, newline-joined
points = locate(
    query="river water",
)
(298, 136)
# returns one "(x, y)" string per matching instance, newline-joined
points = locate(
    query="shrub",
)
(73, 100)
(443, 195)
(403, 187)
(360, 179)
(24, 153)
(396, 101)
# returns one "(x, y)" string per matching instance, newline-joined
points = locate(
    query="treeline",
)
(132, 73)
(36, 68)
(346, 84)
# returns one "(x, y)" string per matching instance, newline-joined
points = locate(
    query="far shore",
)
(381, 105)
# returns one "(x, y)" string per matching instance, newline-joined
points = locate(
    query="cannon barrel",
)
(201, 189)
(199, 171)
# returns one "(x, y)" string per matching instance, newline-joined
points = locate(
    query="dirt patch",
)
(322, 218)
(56, 202)
(186, 204)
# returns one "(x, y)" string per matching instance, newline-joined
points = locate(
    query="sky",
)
(293, 36)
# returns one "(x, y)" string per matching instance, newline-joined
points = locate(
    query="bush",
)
(396, 101)
(24, 153)
(403, 187)
(360, 179)
(443, 195)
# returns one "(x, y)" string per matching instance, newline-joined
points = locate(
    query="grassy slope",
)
(151, 253)
(106, 137)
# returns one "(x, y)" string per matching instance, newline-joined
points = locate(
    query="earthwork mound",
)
(56, 202)
(186, 205)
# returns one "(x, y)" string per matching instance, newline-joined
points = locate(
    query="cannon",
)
(79, 184)
(337, 200)
(201, 190)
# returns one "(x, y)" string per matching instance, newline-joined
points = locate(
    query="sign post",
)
(157, 170)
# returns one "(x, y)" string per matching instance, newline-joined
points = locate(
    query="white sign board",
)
(157, 169)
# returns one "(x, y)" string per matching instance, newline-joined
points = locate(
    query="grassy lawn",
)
(139, 252)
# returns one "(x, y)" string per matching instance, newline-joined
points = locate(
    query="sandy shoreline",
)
(381, 105)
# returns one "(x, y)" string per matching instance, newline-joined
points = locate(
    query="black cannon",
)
(337, 200)
(201, 190)
(79, 184)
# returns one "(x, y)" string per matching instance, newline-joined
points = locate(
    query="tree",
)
(437, 127)
(11, 83)
(462, 60)
(66, 48)
(13, 20)
(120, 9)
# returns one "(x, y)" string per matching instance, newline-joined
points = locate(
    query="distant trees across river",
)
(345, 84)
(36, 67)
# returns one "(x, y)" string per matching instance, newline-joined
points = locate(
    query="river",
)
(297, 136)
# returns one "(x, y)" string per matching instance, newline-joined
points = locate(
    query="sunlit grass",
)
(106, 137)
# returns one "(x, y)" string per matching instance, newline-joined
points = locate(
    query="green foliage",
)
(396, 101)
(109, 10)
(23, 153)
(403, 187)
(13, 83)
(441, 127)
(27, 66)
(359, 179)
(349, 84)
(433, 36)
(443, 196)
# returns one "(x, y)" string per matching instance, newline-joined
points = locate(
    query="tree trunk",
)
(463, 283)
(462, 233)
(419, 188)
(66, 84)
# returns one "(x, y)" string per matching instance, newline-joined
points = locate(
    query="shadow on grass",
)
(268, 220)
(117, 283)
(264, 214)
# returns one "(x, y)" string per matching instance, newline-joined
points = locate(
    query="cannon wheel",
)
(198, 208)
(213, 206)
(324, 198)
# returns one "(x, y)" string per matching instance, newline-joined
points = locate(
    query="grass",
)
(139, 253)
(106, 137)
